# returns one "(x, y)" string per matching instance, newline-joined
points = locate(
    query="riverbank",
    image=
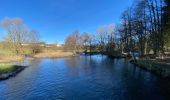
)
(53, 54)
(10, 58)
(5, 58)
(160, 68)
(8, 70)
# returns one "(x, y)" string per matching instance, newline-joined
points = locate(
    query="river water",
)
(84, 78)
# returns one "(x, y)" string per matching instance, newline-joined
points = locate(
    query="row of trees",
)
(19, 34)
(145, 27)
(76, 42)
(103, 40)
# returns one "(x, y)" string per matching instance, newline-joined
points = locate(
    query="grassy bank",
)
(160, 68)
(53, 54)
(10, 58)
(7, 56)
(8, 70)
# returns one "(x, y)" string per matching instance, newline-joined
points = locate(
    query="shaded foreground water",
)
(84, 78)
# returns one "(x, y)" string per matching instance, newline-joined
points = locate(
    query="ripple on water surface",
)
(84, 78)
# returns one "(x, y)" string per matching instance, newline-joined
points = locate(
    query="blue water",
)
(84, 78)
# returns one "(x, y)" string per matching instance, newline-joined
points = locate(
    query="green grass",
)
(6, 68)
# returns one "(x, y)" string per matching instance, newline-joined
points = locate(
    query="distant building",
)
(43, 44)
(59, 45)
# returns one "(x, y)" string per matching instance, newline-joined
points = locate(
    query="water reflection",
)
(84, 78)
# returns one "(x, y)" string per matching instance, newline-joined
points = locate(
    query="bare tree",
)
(85, 38)
(33, 40)
(16, 31)
(18, 34)
(102, 35)
(72, 42)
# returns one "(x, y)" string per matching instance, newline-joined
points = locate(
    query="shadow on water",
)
(84, 78)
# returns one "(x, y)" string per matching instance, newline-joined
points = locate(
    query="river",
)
(84, 78)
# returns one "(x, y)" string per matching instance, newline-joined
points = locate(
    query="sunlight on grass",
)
(6, 52)
(6, 67)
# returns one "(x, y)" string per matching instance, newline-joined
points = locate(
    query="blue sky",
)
(55, 19)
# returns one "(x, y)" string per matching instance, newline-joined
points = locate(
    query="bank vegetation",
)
(143, 34)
